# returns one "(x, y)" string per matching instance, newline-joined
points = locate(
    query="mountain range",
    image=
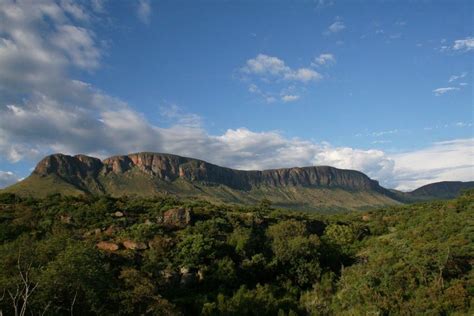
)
(149, 174)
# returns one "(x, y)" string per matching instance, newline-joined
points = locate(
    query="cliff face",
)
(83, 169)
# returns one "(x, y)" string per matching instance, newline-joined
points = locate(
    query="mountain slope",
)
(148, 174)
(441, 190)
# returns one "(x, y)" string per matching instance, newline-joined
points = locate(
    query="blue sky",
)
(384, 87)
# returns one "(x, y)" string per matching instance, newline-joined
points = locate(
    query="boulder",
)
(176, 218)
(118, 214)
(107, 246)
(133, 245)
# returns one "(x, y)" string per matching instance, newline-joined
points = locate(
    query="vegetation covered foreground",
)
(144, 256)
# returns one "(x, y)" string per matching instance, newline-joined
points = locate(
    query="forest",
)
(98, 255)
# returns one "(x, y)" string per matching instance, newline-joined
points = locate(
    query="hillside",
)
(152, 174)
(441, 190)
(92, 255)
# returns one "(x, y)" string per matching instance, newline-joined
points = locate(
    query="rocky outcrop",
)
(79, 166)
(83, 171)
(80, 171)
(133, 245)
(107, 246)
(176, 218)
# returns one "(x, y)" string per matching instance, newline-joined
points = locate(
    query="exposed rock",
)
(118, 214)
(157, 174)
(108, 246)
(366, 217)
(170, 167)
(177, 218)
(132, 245)
(80, 171)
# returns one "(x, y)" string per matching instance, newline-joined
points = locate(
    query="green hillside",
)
(138, 184)
(99, 255)
(317, 188)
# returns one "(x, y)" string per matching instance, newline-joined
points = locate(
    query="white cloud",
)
(176, 114)
(324, 59)
(266, 65)
(144, 11)
(289, 98)
(440, 91)
(456, 77)
(78, 44)
(7, 178)
(303, 75)
(273, 67)
(336, 27)
(464, 45)
(443, 161)
(274, 76)
(74, 10)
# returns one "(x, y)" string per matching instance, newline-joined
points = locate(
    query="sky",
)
(384, 87)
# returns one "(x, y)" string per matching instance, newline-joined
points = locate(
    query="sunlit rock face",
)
(171, 167)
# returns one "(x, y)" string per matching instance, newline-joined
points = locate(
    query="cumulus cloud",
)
(335, 27)
(440, 91)
(459, 46)
(324, 59)
(464, 45)
(7, 178)
(289, 98)
(274, 75)
(144, 11)
(275, 68)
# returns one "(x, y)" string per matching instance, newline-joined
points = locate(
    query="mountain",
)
(440, 190)
(146, 174)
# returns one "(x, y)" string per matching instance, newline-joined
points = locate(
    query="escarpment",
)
(169, 167)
